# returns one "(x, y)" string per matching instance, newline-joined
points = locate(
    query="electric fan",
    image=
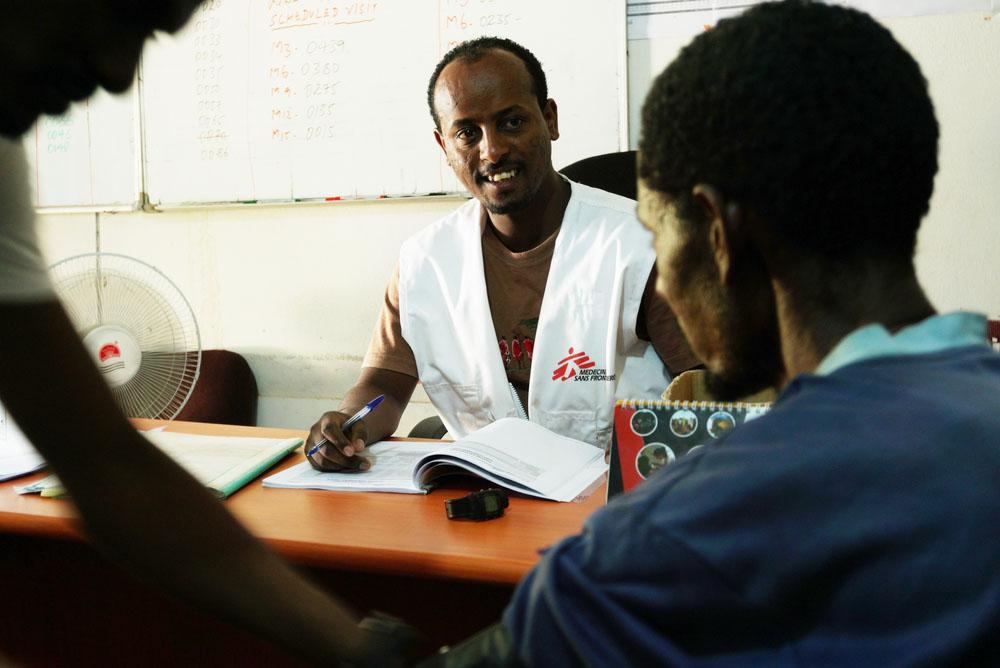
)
(138, 328)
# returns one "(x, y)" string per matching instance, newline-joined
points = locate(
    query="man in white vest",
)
(535, 296)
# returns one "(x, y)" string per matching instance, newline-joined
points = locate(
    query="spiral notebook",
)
(649, 435)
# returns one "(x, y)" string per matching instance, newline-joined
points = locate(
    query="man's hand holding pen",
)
(336, 442)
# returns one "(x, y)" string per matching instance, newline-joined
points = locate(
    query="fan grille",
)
(105, 289)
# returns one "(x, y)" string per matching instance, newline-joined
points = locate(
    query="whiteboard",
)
(285, 100)
(88, 157)
(687, 18)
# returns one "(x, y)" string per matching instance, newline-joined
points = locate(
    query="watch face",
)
(490, 504)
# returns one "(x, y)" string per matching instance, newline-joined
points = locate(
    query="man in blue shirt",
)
(786, 160)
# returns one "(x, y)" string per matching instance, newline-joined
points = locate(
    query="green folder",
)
(224, 464)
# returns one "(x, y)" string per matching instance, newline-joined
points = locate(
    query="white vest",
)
(600, 265)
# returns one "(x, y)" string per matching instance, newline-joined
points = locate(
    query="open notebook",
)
(222, 463)
(514, 453)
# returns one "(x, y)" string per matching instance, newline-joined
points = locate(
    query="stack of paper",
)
(17, 457)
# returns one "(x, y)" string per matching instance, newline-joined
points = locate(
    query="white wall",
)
(296, 289)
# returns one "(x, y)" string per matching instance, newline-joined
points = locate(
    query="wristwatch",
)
(486, 504)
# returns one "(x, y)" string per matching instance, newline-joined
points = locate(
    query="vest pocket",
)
(582, 425)
(460, 407)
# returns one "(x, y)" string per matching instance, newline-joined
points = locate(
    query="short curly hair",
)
(475, 49)
(811, 115)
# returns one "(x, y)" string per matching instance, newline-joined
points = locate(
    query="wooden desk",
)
(393, 552)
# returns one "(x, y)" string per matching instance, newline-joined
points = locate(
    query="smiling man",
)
(537, 291)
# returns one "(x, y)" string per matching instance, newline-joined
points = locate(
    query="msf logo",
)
(111, 358)
(109, 350)
(569, 365)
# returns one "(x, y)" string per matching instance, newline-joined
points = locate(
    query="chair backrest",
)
(614, 172)
(429, 427)
(226, 391)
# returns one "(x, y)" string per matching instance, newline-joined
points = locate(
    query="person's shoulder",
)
(602, 200)
(942, 378)
(614, 215)
(899, 407)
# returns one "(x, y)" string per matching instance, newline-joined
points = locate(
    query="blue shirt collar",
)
(937, 333)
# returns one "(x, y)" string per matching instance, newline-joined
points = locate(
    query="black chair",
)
(614, 172)
(429, 427)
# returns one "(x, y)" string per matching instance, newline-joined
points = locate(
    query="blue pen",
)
(360, 415)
